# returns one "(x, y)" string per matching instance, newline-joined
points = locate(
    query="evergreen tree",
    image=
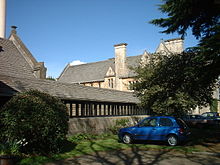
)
(177, 83)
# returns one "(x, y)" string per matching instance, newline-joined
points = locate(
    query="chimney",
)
(174, 45)
(120, 59)
(120, 65)
(2, 18)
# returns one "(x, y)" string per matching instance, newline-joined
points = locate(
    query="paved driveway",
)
(136, 156)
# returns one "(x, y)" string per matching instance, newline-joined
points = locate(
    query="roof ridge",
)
(91, 63)
(110, 59)
(173, 39)
(134, 56)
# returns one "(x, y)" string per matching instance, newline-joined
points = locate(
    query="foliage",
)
(81, 136)
(201, 16)
(173, 84)
(51, 78)
(120, 123)
(37, 119)
(10, 148)
(214, 105)
(178, 83)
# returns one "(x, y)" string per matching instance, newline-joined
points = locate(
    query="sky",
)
(59, 32)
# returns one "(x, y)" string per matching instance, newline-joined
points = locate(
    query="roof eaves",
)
(99, 80)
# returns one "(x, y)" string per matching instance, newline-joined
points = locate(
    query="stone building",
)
(20, 71)
(114, 73)
(90, 109)
(14, 54)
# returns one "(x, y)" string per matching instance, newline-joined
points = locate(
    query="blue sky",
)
(61, 31)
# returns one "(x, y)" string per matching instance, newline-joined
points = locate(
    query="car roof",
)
(211, 112)
(171, 117)
(194, 115)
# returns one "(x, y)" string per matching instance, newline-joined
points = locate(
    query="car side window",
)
(148, 123)
(204, 115)
(165, 122)
(211, 115)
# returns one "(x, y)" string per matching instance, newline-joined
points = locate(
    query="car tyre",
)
(172, 140)
(126, 138)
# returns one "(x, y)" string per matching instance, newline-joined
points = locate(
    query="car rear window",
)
(181, 123)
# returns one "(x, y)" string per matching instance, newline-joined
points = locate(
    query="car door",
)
(145, 129)
(164, 128)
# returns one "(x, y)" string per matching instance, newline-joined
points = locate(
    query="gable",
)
(86, 72)
(162, 49)
(38, 68)
(12, 62)
(110, 72)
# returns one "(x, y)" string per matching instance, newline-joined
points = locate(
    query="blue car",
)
(160, 128)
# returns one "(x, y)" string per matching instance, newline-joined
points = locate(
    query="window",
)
(110, 83)
(181, 123)
(148, 123)
(165, 122)
(130, 85)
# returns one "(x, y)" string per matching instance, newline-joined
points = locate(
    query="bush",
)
(37, 119)
(119, 124)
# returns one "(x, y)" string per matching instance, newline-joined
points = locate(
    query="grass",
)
(85, 144)
(82, 144)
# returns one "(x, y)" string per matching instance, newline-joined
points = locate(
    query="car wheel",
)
(126, 138)
(172, 140)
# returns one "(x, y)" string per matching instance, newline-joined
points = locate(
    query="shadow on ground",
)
(137, 156)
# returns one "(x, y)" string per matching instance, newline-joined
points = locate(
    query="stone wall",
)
(97, 125)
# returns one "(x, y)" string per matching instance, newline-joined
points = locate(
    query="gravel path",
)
(136, 156)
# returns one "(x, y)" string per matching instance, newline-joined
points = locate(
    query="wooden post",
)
(100, 109)
(95, 109)
(77, 110)
(71, 109)
(104, 109)
(82, 109)
(87, 109)
(109, 109)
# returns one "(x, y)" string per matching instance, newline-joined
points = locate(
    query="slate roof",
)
(12, 62)
(96, 71)
(92, 72)
(16, 75)
(86, 72)
(68, 91)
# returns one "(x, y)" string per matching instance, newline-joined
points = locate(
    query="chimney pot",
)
(13, 29)
(121, 44)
